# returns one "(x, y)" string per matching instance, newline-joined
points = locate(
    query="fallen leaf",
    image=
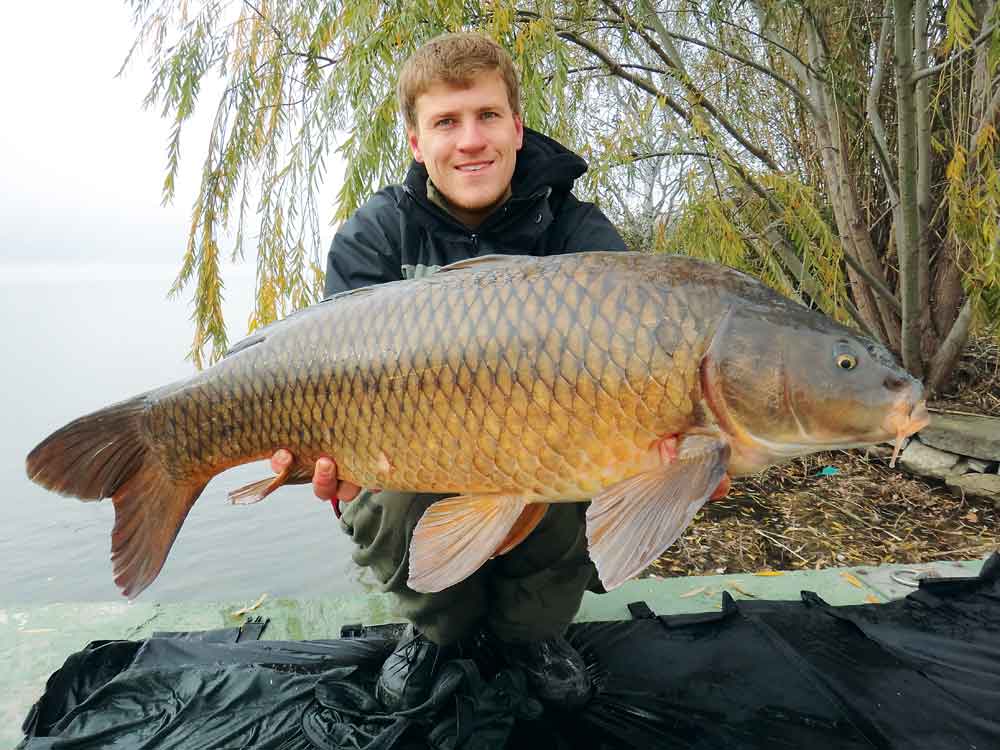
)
(251, 608)
(852, 580)
(693, 592)
(769, 573)
(736, 587)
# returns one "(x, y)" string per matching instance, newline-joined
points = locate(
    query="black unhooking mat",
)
(923, 672)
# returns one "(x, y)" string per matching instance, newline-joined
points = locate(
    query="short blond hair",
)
(454, 59)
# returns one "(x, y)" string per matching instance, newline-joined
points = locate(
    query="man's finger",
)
(325, 479)
(347, 491)
(280, 460)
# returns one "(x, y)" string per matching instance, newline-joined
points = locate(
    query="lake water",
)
(79, 338)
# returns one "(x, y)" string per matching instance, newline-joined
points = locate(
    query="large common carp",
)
(640, 382)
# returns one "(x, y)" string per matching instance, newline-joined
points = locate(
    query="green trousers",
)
(531, 593)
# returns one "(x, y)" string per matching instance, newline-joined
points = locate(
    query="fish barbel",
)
(638, 382)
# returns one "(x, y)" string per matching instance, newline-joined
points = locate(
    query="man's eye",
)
(444, 122)
(490, 115)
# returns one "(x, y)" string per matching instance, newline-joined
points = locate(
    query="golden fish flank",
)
(637, 381)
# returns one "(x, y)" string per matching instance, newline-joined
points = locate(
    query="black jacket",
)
(399, 233)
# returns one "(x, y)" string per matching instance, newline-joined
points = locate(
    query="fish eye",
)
(847, 361)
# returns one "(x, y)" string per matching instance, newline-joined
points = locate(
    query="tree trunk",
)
(908, 231)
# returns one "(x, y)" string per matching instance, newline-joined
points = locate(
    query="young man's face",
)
(468, 139)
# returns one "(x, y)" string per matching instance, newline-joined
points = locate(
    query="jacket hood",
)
(541, 163)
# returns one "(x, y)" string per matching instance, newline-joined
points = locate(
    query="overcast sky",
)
(81, 164)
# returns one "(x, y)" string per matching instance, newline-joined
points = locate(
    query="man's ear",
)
(414, 141)
(519, 126)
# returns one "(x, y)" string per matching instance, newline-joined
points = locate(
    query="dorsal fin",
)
(261, 334)
(487, 261)
(246, 343)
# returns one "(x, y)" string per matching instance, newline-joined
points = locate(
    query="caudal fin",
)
(107, 454)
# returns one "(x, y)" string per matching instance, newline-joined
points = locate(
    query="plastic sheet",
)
(918, 673)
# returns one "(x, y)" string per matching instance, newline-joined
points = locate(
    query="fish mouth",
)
(905, 420)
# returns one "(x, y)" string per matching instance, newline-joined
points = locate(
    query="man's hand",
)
(326, 485)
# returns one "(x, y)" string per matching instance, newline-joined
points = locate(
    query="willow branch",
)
(951, 347)
(625, 66)
(793, 58)
(987, 32)
(635, 156)
(874, 118)
(795, 90)
(908, 227)
(991, 113)
(923, 117)
(622, 73)
(876, 284)
(668, 54)
(807, 282)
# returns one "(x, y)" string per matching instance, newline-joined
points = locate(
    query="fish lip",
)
(905, 420)
(907, 417)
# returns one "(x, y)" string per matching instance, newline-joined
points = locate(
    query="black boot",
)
(554, 668)
(407, 675)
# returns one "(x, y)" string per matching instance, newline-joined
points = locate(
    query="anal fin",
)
(530, 517)
(257, 491)
(632, 523)
(455, 536)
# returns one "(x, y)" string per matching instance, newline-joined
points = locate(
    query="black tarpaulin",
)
(919, 673)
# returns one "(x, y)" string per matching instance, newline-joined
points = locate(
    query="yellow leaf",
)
(852, 580)
(986, 134)
(769, 573)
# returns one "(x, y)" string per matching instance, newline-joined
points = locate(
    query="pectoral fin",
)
(632, 523)
(455, 536)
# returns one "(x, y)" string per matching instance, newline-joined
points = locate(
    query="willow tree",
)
(844, 151)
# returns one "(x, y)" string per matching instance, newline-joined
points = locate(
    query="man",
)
(480, 183)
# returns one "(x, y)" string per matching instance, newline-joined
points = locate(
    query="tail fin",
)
(107, 454)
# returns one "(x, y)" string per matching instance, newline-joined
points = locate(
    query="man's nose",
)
(471, 137)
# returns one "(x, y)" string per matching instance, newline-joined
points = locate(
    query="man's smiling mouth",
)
(473, 167)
